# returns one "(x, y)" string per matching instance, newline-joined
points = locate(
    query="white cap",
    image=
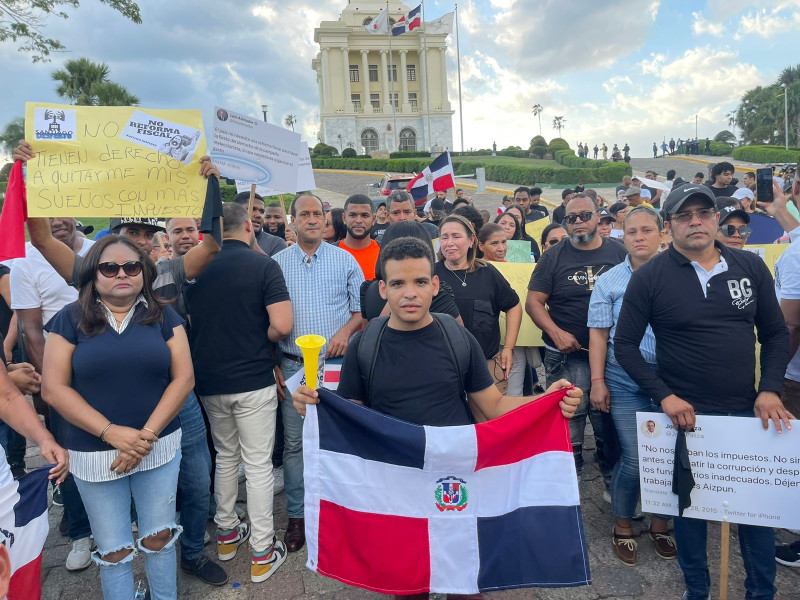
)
(743, 193)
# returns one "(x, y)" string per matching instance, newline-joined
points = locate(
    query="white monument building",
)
(359, 81)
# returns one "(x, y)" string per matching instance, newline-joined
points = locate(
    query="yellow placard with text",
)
(535, 228)
(114, 161)
(769, 252)
(519, 275)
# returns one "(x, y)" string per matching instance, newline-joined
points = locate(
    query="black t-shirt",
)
(372, 304)
(726, 192)
(538, 211)
(377, 231)
(558, 213)
(567, 276)
(415, 379)
(480, 302)
(227, 308)
(5, 310)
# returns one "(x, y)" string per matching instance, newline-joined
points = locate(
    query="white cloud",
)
(768, 23)
(701, 26)
(614, 82)
(652, 10)
(652, 66)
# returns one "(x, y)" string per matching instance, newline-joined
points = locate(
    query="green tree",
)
(110, 93)
(537, 112)
(22, 21)
(290, 120)
(559, 123)
(86, 83)
(12, 134)
(725, 136)
(760, 115)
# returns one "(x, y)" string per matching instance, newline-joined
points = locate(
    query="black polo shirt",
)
(227, 306)
(705, 345)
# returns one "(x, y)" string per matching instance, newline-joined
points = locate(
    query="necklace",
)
(463, 281)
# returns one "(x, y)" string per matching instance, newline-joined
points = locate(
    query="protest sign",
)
(742, 473)
(328, 372)
(305, 174)
(114, 161)
(254, 152)
(519, 251)
(769, 252)
(535, 228)
(519, 275)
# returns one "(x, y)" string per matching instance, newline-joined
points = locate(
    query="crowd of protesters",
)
(160, 360)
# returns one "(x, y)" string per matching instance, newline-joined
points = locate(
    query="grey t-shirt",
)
(270, 244)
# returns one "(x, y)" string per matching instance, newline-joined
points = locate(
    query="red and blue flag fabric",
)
(408, 22)
(23, 530)
(436, 177)
(403, 509)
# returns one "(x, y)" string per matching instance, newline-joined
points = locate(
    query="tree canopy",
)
(760, 115)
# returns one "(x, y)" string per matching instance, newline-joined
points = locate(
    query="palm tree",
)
(113, 94)
(77, 78)
(559, 123)
(732, 121)
(12, 134)
(537, 112)
(289, 121)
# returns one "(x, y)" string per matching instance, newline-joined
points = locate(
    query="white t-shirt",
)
(787, 285)
(36, 284)
(617, 233)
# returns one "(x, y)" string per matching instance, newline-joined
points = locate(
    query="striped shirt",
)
(324, 290)
(606, 303)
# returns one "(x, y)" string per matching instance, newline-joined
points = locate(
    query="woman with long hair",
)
(516, 211)
(335, 230)
(117, 368)
(481, 292)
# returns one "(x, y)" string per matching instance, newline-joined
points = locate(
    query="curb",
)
(708, 162)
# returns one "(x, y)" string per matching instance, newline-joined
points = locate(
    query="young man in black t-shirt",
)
(558, 303)
(413, 343)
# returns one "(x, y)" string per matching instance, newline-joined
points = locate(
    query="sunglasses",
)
(704, 214)
(583, 216)
(111, 269)
(728, 230)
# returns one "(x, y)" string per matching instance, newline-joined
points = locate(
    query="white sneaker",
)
(206, 538)
(607, 496)
(242, 475)
(80, 557)
(278, 486)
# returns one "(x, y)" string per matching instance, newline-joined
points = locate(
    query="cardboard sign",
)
(519, 251)
(742, 473)
(114, 161)
(519, 275)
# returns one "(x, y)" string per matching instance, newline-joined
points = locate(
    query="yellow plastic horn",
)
(311, 345)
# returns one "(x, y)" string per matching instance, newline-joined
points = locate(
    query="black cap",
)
(119, 222)
(680, 194)
(604, 214)
(616, 207)
(566, 193)
(730, 207)
(437, 204)
(84, 229)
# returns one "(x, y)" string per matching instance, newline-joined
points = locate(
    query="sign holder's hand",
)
(24, 151)
(769, 406)
(679, 411)
(208, 168)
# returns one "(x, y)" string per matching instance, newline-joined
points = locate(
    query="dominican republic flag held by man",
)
(23, 530)
(403, 509)
(436, 177)
(408, 22)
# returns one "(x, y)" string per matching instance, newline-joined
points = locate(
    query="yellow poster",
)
(114, 161)
(519, 275)
(769, 252)
(535, 229)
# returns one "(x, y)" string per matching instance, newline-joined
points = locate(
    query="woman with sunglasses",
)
(552, 235)
(117, 368)
(734, 223)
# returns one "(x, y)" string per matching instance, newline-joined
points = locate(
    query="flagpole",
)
(391, 79)
(458, 55)
(427, 96)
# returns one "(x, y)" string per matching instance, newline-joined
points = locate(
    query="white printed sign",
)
(261, 190)
(55, 124)
(252, 151)
(328, 372)
(742, 473)
(173, 139)
(305, 174)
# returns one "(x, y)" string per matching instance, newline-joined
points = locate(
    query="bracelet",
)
(150, 430)
(104, 432)
(508, 347)
(597, 379)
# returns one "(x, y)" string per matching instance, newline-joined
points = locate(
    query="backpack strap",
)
(459, 347)
(367, 354)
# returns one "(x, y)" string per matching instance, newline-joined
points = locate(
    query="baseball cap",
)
(566, 192)
(633, 190)
(437, 204)
(604, 214)
(728, 207)
(84, 229)
(616, 207)
(743, 193)
(119, 222)
(679, 195)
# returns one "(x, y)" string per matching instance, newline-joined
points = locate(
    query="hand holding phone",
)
(764, 185)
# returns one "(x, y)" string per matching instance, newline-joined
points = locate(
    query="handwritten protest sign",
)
(535, 228)
(742, 473)
(109, 161)
(519, 251)
(519, 275)
(252, 151)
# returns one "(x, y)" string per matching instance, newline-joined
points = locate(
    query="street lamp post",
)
(264, 109)
(786, 113)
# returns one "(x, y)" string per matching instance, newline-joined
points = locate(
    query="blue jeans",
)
(194, 479)
(108, 504)
(626, 399)
(14, 444)
(292, 446)
(575, 369)
(758, 555)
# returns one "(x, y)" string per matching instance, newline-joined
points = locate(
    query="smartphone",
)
(764, 185)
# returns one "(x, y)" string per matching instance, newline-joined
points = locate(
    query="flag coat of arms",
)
(436, 177)
(24, 527)
(408, 22)
(399, 508)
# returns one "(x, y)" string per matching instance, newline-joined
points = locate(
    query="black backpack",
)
(458, 345)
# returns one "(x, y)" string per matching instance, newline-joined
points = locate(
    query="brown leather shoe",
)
(295, 537)
(665, 545)
(624, 548)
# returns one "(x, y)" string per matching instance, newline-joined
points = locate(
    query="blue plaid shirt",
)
(606, 303)
(324, 291)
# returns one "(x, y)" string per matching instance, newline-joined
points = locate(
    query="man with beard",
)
(274, 224)
(270, 244)
(558, 303)
(358, 219)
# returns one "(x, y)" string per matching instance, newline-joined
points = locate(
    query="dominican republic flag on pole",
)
(403, 509)
(436, 177)
(23, 530)
(408, 22)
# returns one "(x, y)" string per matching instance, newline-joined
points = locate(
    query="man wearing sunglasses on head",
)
(734, 224)
(558, 302)
(704, 302)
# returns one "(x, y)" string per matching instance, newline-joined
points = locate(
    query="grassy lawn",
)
(510, 161)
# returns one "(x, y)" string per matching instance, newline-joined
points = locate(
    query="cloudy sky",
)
(627, 71)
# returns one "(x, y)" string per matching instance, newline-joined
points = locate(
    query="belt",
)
(293, 358)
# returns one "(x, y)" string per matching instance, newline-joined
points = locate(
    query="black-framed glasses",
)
(728, 230)
(584, 216)
(111, 269)
(704, 214)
